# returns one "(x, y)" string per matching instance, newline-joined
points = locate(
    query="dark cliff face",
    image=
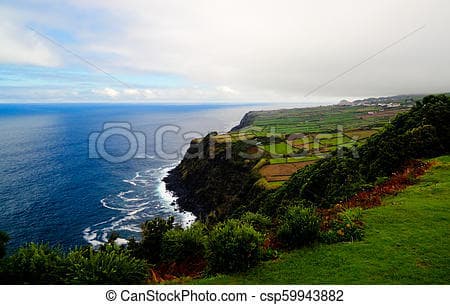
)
(212, 184)
(247, 120)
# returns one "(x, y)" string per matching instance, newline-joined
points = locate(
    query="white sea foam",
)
(147, 198)
(121, 241)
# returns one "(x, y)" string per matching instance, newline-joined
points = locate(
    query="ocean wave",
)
(146, 198)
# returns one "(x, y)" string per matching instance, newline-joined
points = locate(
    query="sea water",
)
(52, 191)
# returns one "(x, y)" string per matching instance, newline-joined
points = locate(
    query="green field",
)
(318, 119)
(279, 149)
(406, 241)
(308, 134)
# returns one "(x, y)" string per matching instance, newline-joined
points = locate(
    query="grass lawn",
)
(320, 119)
(407, 241)
(281, 148)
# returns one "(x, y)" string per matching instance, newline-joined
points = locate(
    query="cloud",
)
(227, 90)
(274, 50)
(22, 46)
(144, 94)
(286, 48)
(107, 92)
(139, 94)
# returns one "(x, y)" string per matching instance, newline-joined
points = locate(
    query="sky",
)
(210, 51)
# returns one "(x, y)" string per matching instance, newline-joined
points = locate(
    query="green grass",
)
(275, 184)
(318, 119)
(281, 148)
(335, 141)
(406, 242)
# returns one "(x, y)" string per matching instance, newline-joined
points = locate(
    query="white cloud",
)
(227, 90)
(145, 94)
(107, 92)
(286, 48)
(256, 49)
(20, 45)
(132, 92)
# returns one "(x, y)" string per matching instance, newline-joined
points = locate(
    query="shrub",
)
(347, 227)
(152, 234)
(233, 246)
(4, 238)
(381, 180)
(179, 245)
(259, 222)
(113, 265)
(325, 182)
(34, 264)
(300, 226)
(328, 237)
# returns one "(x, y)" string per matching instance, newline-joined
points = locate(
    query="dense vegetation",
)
(42, 264)
(405, 242)
(422, 132)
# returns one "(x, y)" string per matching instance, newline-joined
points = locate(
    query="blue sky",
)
(227, 51)
(69, 78)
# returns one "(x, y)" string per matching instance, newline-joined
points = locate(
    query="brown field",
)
(380, 114)
(228, 137)
(281, 172)
(360, 133)
(277, 178)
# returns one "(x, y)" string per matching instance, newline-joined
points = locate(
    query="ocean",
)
(55, 188)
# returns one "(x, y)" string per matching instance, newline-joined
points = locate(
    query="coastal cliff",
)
(220, 178)
(246, 120)
(210, 183)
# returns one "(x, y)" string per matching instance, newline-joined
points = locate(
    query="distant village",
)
(385, 102)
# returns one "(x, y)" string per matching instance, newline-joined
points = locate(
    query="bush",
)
(347, 227)
(381, 180)
(324, 183)
(152, 234)
(42, 264)
(259, 222)
(4, 238)
(300, 226)
(179, 245)
(328, 237)
(34, 264)
(114, 265)
(233, 247)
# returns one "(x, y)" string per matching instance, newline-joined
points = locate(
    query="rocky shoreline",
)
(184, 201)
(202, 185)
